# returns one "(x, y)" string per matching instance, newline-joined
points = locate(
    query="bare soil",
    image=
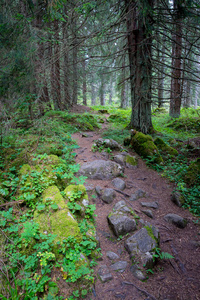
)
(173, 279)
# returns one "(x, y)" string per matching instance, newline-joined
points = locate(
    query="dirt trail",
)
(172, 280)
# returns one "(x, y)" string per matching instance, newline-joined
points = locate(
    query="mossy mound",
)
(116, 118)
(186, 123)
(164, 148)
(144, 146)
(192, 176)
(131, 160)
(58, 222)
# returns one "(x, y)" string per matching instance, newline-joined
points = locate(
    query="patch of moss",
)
(151, 233)
(166, 149)
(61, 222)
(131, 160)
(143, 144)
(192, 176)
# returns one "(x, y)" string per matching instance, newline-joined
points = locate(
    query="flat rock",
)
(126, 160)
(98, 190)
(119, 266)
(119, 184)
(150, 204)
(138, 194)
(86, 135)
(112, 255)
(137, 273)
(104, 273)
(108, 195)
(176, 220)
(122, 207)
(120, 223)
(148, 212)
(101, 169)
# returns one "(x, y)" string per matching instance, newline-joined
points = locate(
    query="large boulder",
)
(121, 219)
(141, 247)
(176, 220)
(144, 146)
(101, 169)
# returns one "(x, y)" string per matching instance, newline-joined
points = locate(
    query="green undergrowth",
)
(43, 258)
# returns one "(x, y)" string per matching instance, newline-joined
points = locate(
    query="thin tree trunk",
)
(111, 91)
(93, 94)
(123, 90)
(75, 75)
(102, 90)
(84, 84)
(67, 98)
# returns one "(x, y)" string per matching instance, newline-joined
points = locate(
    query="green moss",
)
(77, 192)
(151, 233)
(162, 146)
(192, 176)
(131, 160)
(60, 222)
(145, 147)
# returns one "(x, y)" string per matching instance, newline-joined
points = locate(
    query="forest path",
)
(172, 279)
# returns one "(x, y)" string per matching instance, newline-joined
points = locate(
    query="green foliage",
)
(161, 255)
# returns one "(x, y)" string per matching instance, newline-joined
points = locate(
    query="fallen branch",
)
(12, 203)
(139, 289)
(118, 191)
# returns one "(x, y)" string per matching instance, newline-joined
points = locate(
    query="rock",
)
(86, 135)
(141, 247)
(196, 244)
(104, 273)
(112, 255)
(150, 204)
(108, 195)
(164, 148)
(108, 143)
(192, 176)
(122, 207)
(101, 169)
(89, 187)
(119, 266)
(148, 212)
(126, 160)
(119, 184)
(177, 198)
(137, 273)
(144, 146)
(138, 194)
(120, 223)
(77, 193)
(98, 190)
(176, 220)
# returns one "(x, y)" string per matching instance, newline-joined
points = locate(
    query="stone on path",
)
(119, 266)
(98, 190)
(177, 198)
(108, 195)
(119, 184)
(176, 220)
(148, 212)
(108, 143)
(112, 255)
(138, 194)
(101, 169)
(104, 273)
(122, 207)
(150, 204)
(137, 273)
(126, 160)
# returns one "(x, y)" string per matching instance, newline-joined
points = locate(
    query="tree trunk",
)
(67, 98)
(84, 83)
(102, 90)
(176, 87)
(139, 48)
(75, 58)
(123, 90)
(111, 91)
(93, 94)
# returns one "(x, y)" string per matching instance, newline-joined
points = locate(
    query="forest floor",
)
(172, 279)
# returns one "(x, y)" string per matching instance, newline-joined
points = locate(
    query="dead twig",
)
(118, 191)
(139, 289)
(12, 203)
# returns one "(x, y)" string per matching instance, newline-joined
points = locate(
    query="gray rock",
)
(176, 220)
(98, 190)
(108, 195)
(120, 159)
(108, 143)
(138, 194)
(119, 184)
(148, 212)
(104, 273)
(137, 273)
(89, 187)
(119, 266)
(112, 255)
(126, 160)
(150, 204)
(86, 135)
(101, 169)
(177, 198)
(122, 207)
(120, 223)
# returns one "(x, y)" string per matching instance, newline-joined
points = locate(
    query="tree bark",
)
(102, 90)
(139, 48)
(84, 83)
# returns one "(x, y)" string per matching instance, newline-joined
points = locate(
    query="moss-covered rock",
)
(144, 146)
(58, 222)
(164, 148)
(131, 160)
(192, 176)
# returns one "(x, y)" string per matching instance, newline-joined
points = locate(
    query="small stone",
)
(176, 220)
(137, 273)
(121, 224)
(119, 266)
(138, 194)
(98, 190)
(112, 255)
(121, 206)
(119, 184)
(108, 195)
(177, 199)
(89, 187)
(87, 135)
(150, 204)
(148, 212)
(85, 202)
(104, 273)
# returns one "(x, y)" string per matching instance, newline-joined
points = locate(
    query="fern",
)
(165, 255)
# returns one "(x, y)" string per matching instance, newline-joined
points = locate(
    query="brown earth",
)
(172, 279)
